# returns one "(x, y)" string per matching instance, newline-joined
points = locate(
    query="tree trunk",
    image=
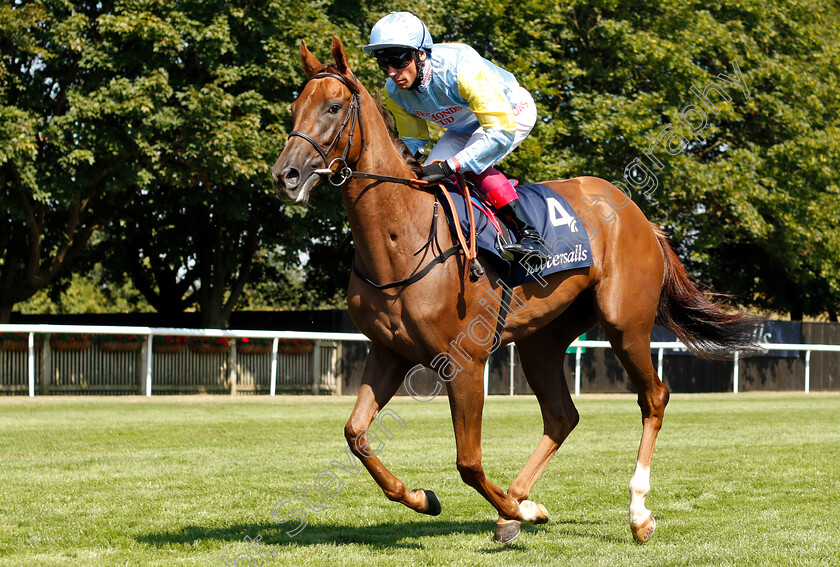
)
(6, 312)
(214, 318)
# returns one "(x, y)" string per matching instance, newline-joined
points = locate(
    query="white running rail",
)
(151, 332)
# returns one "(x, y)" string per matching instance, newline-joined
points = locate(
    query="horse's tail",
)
(702, 324)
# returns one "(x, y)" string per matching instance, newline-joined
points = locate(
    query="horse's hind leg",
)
(542, 356)
(652, 398)
(383, 374)
(627, 315)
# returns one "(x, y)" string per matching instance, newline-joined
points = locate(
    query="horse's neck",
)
(389, 221)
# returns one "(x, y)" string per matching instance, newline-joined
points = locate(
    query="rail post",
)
(147, 390)
(46, 366)
(512, 364)
(31, 364)
(659, 359)
(735, 374)
(316, 368)
(807, 371)
(275, 347)
(232, 371)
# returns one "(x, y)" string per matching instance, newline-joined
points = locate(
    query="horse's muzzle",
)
(285, 179)
(293, 184)
(294, 173)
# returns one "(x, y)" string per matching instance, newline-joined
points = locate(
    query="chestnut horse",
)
(636, 279)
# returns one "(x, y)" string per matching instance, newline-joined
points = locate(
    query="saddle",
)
(565, 236)
(476, 228)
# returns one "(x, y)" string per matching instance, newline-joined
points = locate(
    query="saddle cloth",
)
(566, 240)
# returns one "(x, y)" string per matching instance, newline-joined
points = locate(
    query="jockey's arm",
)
(495, 115)
(412, 129)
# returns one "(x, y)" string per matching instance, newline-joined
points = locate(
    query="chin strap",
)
(421, 67)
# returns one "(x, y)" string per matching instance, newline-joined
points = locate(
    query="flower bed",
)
(247, 345)
(70, 341)
(296, 346)
(209, 345)
(169, 344)
(18, 341)
(120, 343)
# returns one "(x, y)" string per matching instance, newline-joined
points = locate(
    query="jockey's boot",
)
(498, 189)
(529, 250)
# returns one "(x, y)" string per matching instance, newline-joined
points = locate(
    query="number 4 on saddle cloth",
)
(565, 239)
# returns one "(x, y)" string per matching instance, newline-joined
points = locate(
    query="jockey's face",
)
(405, 76)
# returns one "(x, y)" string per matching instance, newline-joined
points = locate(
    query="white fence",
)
(661, 346)
(227, 371)
(315, 373)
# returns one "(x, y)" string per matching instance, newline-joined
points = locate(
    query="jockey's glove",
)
(435, 171)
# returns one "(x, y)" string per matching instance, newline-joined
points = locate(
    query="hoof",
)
(644, 530)
(532, 512)
(433, 506)
(506, 531)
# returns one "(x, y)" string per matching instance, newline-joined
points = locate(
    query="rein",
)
(344, 173)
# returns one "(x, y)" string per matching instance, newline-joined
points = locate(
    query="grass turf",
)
(749, 479)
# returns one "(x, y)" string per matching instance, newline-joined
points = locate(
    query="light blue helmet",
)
(399, 29)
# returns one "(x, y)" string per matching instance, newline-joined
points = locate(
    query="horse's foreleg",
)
(466, 401)
(542, 357)
(383, 374)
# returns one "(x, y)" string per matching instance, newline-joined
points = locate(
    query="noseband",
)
(353, 116)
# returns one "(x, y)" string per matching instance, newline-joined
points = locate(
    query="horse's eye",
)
(334, 109)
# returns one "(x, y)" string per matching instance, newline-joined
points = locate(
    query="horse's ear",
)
(340, 56)
(310, 63)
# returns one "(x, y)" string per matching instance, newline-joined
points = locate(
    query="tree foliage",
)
(66, 163)
(749, 185)
(163, 119)
(156, 122)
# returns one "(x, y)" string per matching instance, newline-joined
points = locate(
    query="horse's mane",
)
(400, 146)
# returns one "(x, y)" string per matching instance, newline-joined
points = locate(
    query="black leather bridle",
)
(343, 172)
(351, 118)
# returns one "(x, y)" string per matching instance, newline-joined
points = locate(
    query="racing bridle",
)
(351, 118)
(343, 171)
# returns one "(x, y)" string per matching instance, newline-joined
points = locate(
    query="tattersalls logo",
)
(576, 255)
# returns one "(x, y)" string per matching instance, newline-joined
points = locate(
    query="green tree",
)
(192, 236)
(67, 162)
(208, 221)
(180, 108)
(85, 292)
(750, 192)
(160, 121)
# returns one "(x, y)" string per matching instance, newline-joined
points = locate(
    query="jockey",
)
(485, 112)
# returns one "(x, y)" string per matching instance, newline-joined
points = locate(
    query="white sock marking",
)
(639, 489)
(528, 510)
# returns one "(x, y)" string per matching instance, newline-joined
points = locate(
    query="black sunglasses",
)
(399, 61)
